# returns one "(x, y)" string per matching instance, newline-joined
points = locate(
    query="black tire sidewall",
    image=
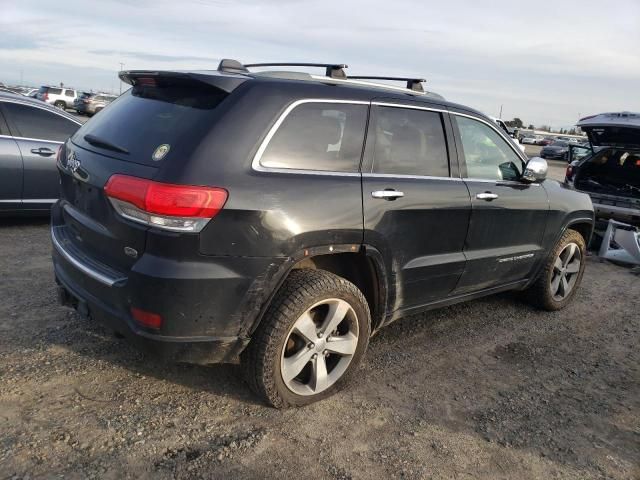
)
(301, 290)
(570, 236)
(362, 314)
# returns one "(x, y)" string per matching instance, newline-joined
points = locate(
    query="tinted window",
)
(319, 136)
(146, 117)
(32, 122)
(487, 155)
(69, 93)
(55, 91)
(409, 142)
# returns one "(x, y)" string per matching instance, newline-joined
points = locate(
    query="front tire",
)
(561, 275)
(311, 339)
(60, 104)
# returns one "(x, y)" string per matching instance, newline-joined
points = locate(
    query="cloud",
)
(546, 63)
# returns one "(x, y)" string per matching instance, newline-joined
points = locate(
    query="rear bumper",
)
(207, 310)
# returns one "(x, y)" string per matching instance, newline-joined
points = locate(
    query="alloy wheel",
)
(565, 271)
(319, 347)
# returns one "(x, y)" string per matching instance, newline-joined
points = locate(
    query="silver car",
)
(30, 134)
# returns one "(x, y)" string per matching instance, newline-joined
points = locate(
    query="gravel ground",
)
(488, 389)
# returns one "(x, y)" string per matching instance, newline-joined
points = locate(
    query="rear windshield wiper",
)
(99, 142)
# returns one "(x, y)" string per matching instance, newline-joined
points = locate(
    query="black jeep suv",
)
(282, 218)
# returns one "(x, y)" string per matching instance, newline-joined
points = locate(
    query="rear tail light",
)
(182, 208)
(569, 173)
(146, 319)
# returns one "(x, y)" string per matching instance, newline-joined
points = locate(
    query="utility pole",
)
(500, 116)
(121, 68)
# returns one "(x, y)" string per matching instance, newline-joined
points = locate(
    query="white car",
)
(504, 127)
(529, 140)
(62, 98)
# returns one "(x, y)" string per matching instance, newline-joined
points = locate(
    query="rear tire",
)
(60, 104)
(561, 275)
(310, 341)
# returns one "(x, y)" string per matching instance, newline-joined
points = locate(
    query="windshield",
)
(146, 118)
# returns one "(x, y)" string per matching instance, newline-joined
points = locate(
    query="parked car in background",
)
(80, 99)
(608, 169)
(31, 92)
(92, 103)
(557, 150)
(164, 231)
(528, 140)
(30, 134)
(62, 98)
(545, 141)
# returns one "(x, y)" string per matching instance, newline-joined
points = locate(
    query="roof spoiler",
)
(152, 78)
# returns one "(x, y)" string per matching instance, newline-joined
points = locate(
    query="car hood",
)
(612, 129)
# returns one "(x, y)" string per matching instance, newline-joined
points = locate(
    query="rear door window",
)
(146, 117)
(319, 136)
(36, 123)
(69, 93)
(408, 142)
(55, 91)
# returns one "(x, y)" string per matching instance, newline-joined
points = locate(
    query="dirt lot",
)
(490, 389)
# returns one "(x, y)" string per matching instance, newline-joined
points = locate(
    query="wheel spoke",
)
(305, 327)
(557, 266)
(573, 267)
(555, 284)
(571, 250)
(565, 286)
(292, 366)
(343, 345)
(319, 377)
(337, 311)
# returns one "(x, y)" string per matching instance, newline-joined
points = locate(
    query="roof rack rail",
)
(333, 70)
(412, 83)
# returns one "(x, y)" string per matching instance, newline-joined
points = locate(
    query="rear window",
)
(319, 136)
(146, 117)
(55, 91)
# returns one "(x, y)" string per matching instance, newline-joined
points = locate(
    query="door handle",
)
(44, 151)
(488, 196)
(387, 194)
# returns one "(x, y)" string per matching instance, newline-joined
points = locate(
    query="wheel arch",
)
(584, 226)
(363, 267)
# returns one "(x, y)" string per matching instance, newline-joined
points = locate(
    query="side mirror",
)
(535, 170)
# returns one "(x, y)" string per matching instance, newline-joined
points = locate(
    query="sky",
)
(546, 62)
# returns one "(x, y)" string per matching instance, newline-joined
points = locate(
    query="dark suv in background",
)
(283, 218)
